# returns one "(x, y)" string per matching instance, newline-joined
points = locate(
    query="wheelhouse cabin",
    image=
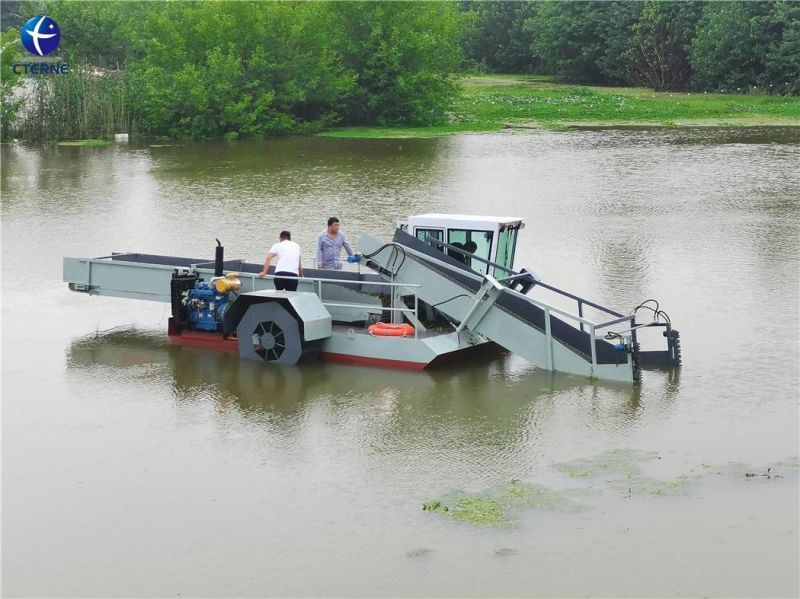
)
(492, 240)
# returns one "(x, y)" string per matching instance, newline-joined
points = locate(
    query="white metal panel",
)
(461, 221)
(317, 322)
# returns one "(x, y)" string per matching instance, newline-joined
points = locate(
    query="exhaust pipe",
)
(218, 259)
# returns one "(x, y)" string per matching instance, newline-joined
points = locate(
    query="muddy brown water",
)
(134, 468)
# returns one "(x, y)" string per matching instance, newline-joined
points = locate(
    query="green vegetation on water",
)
(493, 103)
(474, 510)
(419, 553)
(620, 469)
(645, 486)
(615, 461)
(788, 468)
(85, 143)
(502, 504)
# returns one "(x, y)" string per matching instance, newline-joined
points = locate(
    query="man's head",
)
(285, 235)
(333, 225)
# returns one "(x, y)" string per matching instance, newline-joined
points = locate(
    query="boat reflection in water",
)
(472, 401)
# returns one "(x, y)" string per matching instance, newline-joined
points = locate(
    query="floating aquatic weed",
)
(469, 508)
(538, 497)
(644, 486)
(615, 461)
(733, 469)
(766, 474)
(419, 553)
(501, 504)
(85, 143)
(788, 468)
(479, 510)
(433, 506)
(505, 552)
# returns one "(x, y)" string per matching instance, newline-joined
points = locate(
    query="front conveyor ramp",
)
(514, 321)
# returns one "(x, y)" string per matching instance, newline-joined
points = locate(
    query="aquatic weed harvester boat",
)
(445, 285)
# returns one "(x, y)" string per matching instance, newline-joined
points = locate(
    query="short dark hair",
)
(285, 235)
(332, 220)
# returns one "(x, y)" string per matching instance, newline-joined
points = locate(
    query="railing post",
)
(580, 312)
(416, 314)
(549, 335)
(392, 316)
(593, 347)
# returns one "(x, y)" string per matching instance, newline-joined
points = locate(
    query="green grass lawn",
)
(494, 102)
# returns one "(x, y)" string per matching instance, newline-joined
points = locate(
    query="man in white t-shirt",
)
(290, 263)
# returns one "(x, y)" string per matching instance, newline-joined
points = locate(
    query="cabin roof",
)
(466, 218)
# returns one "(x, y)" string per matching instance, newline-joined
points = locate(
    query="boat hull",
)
(348, 345)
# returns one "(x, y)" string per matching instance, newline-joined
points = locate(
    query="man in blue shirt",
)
(329, 246)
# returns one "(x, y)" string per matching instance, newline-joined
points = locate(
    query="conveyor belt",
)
(252, 267)
(579, 341)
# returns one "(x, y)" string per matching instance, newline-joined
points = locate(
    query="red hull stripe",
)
(219, 343)
(206, 341)
(367, 361)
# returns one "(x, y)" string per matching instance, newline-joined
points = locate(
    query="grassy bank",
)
(492, 103)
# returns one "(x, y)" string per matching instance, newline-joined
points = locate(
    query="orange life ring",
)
(385, 329)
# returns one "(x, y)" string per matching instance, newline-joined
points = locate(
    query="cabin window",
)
(478, 243)
(423, 234)
(506, 245)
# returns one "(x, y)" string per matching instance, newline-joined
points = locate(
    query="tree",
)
(9, 81)
(661, 44)
(95, 33)
(584, 41)
(11, 14)
(782, 65)
(276, 75)
(497, 38)
(724, 53)
(403, 55)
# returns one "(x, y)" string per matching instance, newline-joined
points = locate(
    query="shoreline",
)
(517, 103)
(495, 103)
(429, 133)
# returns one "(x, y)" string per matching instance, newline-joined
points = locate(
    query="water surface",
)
(134, 468)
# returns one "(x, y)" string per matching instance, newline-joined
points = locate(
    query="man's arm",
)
(319, 251)
(300, 267)
(267, 261)
(347, 247)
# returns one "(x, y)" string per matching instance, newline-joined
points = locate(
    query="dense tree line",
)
(247, 68)
(713, 46)
(231, 68)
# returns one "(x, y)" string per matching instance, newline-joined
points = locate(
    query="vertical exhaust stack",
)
(218, 258)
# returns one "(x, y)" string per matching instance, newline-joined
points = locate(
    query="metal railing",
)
(466, 254)
(311, 263)
(583, 323)
(524, 275)
(317, 283)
